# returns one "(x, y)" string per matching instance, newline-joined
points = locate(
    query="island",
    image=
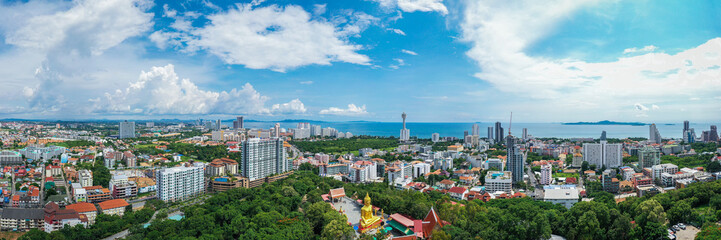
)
(607, 122)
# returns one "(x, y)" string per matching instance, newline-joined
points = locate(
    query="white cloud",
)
(694, 99)
(352, 110)
(500, 33)
(409, 52)
(87, 27)
(655, 107)
(397, 31)
(319, 9)
(649, 48)
(640, 107)
(273, 37)
(161, 92)
(399, 63)
(415, 5)
(306, 82)
(295, 106)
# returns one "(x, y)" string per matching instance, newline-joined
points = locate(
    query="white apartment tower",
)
(179, 183)
(603, 154)
(263, 158)
(405, 133)
(546, 174)
(127, 130)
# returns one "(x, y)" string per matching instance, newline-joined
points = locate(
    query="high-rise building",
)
(435, 137)
(238, 123)
(525, 134)
(603, 136)
(465, 134)
(490, 135)
(654, 135)
(276, 130)
(179, 183)
(315, 130)
(149, 124)
(262, 158)
(603, 154)
(217, 125)
(713, 135)
(685, 126)
(648, 157)
(127, 129)
(405, 133)
(475, 130)
(546, 174)
(689, 135)
(514, 160)
(498, 137)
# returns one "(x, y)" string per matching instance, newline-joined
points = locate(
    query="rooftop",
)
(115, 203)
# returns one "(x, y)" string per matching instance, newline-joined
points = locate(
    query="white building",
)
(301, 133)
(498, 181)
(603, 154)
(421, 169)
(435, 137)
(657, 170)
(10, 158)
(127, 130)
(363, 171)
(546, 174)
(262, 158)
(179, 183)
(564, 196)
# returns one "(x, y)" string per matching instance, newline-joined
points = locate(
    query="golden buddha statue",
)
(368, 219)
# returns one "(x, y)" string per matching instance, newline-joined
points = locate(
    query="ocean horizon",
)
(544, 130)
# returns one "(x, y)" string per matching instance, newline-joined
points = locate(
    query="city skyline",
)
(438, 61)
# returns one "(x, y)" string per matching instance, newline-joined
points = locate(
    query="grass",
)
(10, 235)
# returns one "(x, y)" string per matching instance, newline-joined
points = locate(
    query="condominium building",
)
(654, 135)
(10, 158)
(85, 177)
(363, 171)
(37, 152)
(221, 167)
(113, 207)
(577, 160)
(546, 173)
(120, 187)
(515, 160)
(126, 130)
(498, 181)
(96, 194)
(22, 219)
(262, 158)
(603, 154)
(648, 157)
(179, 183)
(88, 209)
(659, 169)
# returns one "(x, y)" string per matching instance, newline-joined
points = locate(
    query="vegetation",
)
(345, 145)
(689, 162)
(73, 143)
(204, 153)
(105, 225)
(701, 147)
(442, 146)
(101, 174)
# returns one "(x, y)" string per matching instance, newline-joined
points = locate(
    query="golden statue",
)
(368, 219)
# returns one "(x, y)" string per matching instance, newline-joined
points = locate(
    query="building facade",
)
(261, 158)
(126, 130)
(179, 183)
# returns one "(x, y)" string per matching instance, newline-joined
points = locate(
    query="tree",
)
(649, 218)
(680, 212)
(709, 231)
(713, 167)
(588, 226)
(584, 166)
(337, 229)
(438, 234)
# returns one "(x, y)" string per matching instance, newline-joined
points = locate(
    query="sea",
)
(558, 130)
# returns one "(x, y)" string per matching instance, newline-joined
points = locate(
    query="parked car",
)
(682, 226)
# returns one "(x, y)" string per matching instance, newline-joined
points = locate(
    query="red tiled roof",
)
(403, 220)
(338, 192)
(82, 207)
(115, 203)
(457, 190)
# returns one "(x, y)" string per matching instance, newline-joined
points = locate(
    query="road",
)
(538, 192)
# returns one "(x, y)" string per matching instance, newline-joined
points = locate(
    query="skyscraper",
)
(262, 158)
(217, 124)
(514, 160)
(126, 129)
(476, 130)
(648, 157)
(603, 136)
(405, 133)
(277, 130)
(490, 134)
(525, 134)
(713, 135)
(435, 137)
(685, 126)
(499, 133)
(654, 135)
(603, 153)
(238, 123)
(179, 183)
(689, 135)
(465, 134)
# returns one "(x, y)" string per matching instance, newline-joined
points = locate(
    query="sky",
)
(436, 60)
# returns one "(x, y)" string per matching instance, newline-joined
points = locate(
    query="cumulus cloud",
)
(352, 110)
(295, 106)
(306, 82)
(500, 33)
(161, 91)
(272, 37)
(415, 5)
(89, 27)
(409, 52)
(640, 107)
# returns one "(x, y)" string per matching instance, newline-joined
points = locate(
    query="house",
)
(457, 192)
(446, 184)
(468, 180)
(113, 207)
(56, 218)
(88, 209)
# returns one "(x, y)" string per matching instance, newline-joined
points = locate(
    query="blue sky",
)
(439, 61)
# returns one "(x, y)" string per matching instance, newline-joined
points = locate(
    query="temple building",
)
(369, 220)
